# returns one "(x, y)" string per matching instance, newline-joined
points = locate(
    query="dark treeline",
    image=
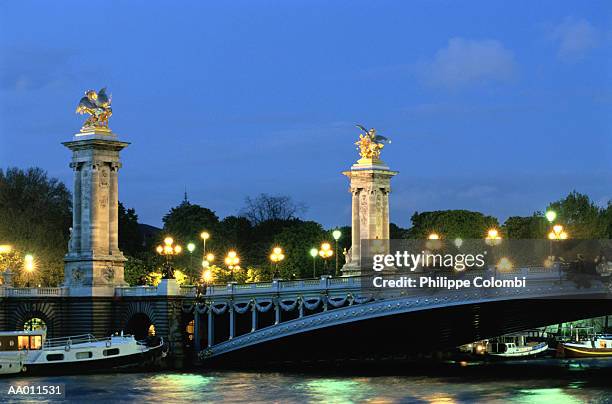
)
(35, 217)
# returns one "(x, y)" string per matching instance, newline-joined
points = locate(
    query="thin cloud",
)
(465, 62)
(574, 38)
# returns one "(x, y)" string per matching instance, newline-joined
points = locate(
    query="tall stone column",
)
(355, 226)
(94, 265)
(370, 185)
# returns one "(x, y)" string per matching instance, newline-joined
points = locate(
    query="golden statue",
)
(370, 144)
(97, 105)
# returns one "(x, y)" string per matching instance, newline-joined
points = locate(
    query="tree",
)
(581, 217)
(296, 239)
(528, 227)
(35, 217)
(266, 207)
(451, 224)
(130, 237)
(607, 217)
(186, 221)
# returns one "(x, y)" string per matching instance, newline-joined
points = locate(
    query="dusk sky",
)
(494, 106)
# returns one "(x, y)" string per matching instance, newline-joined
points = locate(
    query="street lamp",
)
(325, 252)
(168, 250)
(206, 279)
(493, 237)
(204, 236)
(557, 233)
(433, 241)
(232, 262)
(551, 215)
(28, 265)
(313, 253)
(336, 234)
(207, 260)
(276, 257)
(191, 248)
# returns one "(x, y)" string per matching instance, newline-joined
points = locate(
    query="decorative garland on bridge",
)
(338, 301)
(263, 309)
(243, 309)
(219, 308)
(312, 306)
(288, 306)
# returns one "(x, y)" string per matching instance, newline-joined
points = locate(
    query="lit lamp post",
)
(336, 234)
(433, 241)
(207, 260)
(191, 248)
(493, 238)
(28, 265)
(204, 236)
(168, 250)
(232, 262)
(557, 233)
(207, 278)
(313, 253)
(325, 252)
(276, 257)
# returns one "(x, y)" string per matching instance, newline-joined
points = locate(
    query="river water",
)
(290, 387)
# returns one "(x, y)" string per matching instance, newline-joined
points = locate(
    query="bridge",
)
(335, 318)
(312, 319)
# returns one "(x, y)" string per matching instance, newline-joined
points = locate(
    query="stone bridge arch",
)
(45, 311)
(137, 317)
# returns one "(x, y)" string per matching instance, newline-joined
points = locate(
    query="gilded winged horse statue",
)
(98, 106)
(370, 144)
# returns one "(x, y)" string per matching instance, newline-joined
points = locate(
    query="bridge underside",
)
(407, 334)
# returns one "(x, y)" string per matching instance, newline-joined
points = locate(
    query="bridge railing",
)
(32, 292)
(277, 286)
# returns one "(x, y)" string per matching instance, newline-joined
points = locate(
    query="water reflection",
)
(252, 387)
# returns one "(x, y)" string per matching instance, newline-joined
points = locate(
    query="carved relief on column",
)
(363, 214)
(85, 205)
(372, 214)
(94, 207)
(379, 211)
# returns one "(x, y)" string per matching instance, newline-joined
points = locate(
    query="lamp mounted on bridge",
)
(232, 260)
(29, 266)
(168, 250)
(313, 253)
(336, 234)
(276, 257)
(493, 238)
(325, 252)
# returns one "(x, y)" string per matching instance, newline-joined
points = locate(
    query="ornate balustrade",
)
(32, 292)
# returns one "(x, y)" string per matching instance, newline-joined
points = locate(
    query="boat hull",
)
(137, 361)
(568, 351)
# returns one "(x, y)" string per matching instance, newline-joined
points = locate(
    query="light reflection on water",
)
(248, 387)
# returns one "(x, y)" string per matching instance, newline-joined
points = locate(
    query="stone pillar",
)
(254, 318)
(370, 185)
(211, 326)
(94, 264)
(355, 252)
(232, 320)
(197, 330)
